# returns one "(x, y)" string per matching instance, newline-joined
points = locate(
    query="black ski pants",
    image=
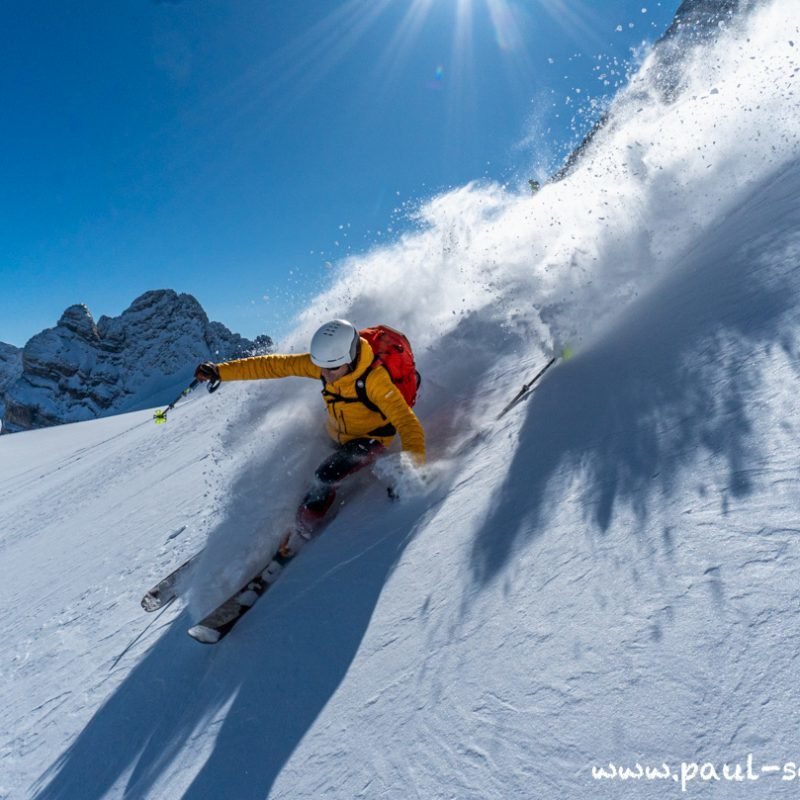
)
(347, 459)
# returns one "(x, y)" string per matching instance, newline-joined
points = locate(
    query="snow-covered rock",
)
(80, 369)
(10, 369)
(704, 18)
(10, 365)
(696, 22)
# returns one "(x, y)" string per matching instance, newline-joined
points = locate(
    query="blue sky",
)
(235, 149)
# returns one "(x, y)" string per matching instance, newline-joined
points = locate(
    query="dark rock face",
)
(10, 365)
(696, 22)
(10, 369)
(80, 369)
(702, 17)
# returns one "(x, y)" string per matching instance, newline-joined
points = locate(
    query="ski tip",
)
(150, 602)
(157, 602)
(204, 635)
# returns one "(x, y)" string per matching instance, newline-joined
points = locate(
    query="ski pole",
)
(160, 417)
(526, 387)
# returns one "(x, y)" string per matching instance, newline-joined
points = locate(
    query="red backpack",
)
(393, 351)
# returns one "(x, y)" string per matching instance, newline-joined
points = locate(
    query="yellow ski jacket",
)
(346, 420)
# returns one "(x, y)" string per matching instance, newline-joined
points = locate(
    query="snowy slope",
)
(606, 575)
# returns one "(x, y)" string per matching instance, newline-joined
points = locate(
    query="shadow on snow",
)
(262, 689)
(627, 417)
(630, 414)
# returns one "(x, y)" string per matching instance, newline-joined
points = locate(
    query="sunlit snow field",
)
(608, 574)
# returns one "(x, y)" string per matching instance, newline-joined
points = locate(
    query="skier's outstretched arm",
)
(263, 367)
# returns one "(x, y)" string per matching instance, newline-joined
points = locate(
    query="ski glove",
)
(207, 371)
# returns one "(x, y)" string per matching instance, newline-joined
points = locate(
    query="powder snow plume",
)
(491, 282)
(555, 267)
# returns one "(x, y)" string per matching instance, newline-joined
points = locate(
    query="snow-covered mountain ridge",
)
(606, 576)
(80, 369)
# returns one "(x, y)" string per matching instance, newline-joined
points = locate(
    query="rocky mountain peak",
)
(79, 320)
(80, 370)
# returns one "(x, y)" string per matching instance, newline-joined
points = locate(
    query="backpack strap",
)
(361, 392)
(361, 388)
(361, 397)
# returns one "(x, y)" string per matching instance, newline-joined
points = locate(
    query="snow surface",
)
(607, 575)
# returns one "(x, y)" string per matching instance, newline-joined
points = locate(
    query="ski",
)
(221, 621)
(166, 589)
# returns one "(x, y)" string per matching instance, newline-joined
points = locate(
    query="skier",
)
(366, 409)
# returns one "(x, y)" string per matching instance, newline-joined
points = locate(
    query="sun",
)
(286, 75)
(507, 18)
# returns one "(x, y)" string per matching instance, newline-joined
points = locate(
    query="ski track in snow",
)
(607, 574)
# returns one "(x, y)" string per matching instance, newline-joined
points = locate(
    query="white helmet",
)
(334, 344)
